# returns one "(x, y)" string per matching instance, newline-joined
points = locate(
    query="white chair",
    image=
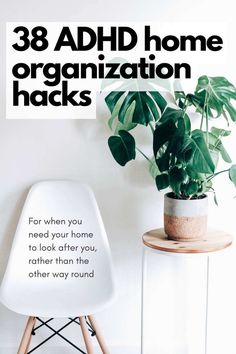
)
(34, 285)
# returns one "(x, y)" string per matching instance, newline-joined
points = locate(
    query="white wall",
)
(36, 150)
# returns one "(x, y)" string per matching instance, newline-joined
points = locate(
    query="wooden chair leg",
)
(25, 341)
(28, 345)
(86, 335)
(99, 336)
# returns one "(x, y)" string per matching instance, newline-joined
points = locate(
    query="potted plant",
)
(184, 158)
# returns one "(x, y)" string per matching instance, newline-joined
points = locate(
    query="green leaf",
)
(115, 111)
(159, 99)
(209, 184)
(173, 151)
(177, 176)
(125, 105)
(180, 127)
(224, 154)
(163, 162)
(122, 147)
(150, 103)
(180, 98)
(162, 181)
(128, 124)
(216, 146)
(175, 115)
(170, 134)
(214, 155)
(187, 123)
(196, 100)
(220, 132)
(201, 159)
(146, 108)
(219, 93)
(142, 114)
(193, 174)
(163, 134)
(171, 114)
(232, 174)
(153, 169)
(112, 98)
(190, 188)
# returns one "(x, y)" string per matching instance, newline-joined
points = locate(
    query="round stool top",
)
(215, 240)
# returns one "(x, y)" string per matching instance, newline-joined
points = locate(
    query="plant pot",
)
(185, 220)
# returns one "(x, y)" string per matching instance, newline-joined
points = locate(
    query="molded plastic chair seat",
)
(54, 302)
(27, 288)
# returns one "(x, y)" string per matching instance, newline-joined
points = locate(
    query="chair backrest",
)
(60, 263)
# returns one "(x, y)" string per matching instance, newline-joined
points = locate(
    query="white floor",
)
(67, 350)
(57, 345)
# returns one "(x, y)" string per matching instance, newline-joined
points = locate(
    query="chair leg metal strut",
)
(88, 326)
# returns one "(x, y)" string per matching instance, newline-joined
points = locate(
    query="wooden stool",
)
(175, 292)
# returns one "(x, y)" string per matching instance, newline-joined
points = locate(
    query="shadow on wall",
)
(8, 236)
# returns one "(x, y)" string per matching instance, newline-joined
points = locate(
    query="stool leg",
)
(86, 335)
(25, 341)
(99, 336)
(207, 303)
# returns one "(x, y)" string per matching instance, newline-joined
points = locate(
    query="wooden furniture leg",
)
(99, 336)
(86, 335)
(25, 341)
(27, 349)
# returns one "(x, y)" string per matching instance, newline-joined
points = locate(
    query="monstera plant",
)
(184, 158)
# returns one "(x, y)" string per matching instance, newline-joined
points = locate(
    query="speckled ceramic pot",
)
(185, 220)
